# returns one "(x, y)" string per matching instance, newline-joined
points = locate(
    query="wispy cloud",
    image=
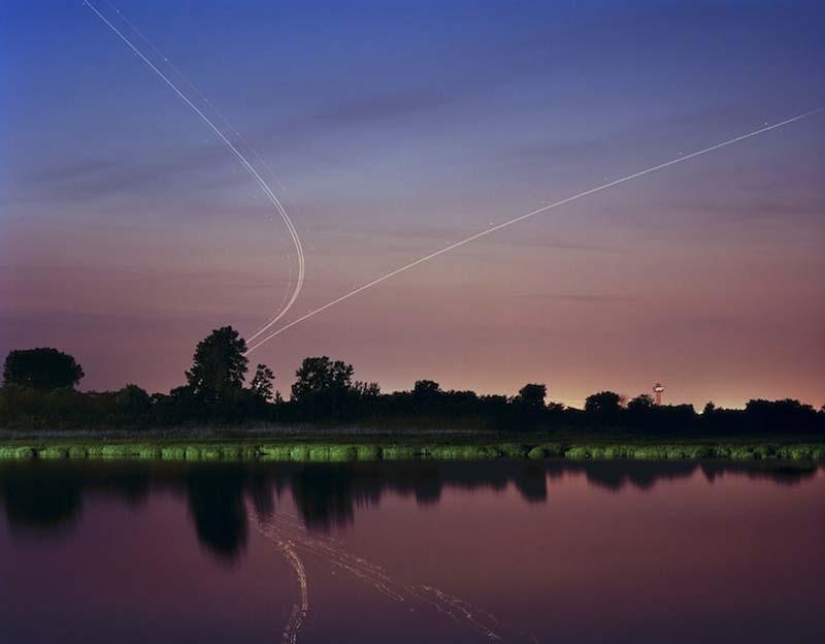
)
(383, 107)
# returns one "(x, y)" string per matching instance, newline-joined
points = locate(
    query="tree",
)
(219, 365)
(788, 414)
(641, 402)
(532, 396)
(604, 403)
(319, 376)
(133, 401)
(424, 388)
(367, 389)
(262, 382)
(43, 368)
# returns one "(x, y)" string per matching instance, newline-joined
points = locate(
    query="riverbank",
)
(454, 446)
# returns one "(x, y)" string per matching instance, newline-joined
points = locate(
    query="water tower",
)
(658, 389)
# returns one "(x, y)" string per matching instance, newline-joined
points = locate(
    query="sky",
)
(128, 230)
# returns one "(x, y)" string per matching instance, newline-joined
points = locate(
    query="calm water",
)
(411, 552)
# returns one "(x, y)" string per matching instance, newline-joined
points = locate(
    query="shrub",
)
(399, 452)
(513, 450)
(367, 452)
(17, 453)
(173, 453)
(53, 452)
(577, 453)
(299, 453)
(274, 452)
(78, 451)
(342, 453)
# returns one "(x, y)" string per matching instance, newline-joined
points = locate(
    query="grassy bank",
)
(347, 450)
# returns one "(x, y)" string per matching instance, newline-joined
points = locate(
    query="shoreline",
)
(341, 448)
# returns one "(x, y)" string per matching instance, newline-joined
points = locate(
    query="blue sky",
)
(128, 230)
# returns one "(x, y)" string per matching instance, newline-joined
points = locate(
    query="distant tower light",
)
(658, 389)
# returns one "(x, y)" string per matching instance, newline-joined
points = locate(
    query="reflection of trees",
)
(614, 475)
(261, 494)
(531, 481)
(324, 494)
(41, 497)
(49, 495)
(781, 473)
(215, 494)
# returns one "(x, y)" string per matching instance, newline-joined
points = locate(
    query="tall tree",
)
(605, 403)
(641, 402)
(532, 396)
(43, 368)
(262, 382)
(425, 390)
(320, 375)
(219, 365)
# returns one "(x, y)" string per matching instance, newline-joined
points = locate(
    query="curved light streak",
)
(293, 233)
(533, 213)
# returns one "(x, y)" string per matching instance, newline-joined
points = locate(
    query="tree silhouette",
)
(424, 389)
(133, 401)
(219, 365)
(321, 376)
(605, 403)
(641, 402)
(43, 368)
(532, 396)
(369, 390)
(262, 382)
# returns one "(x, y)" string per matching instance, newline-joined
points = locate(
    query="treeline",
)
(39, 392)
(219, 497)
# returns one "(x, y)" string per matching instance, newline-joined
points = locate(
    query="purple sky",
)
(128, 231)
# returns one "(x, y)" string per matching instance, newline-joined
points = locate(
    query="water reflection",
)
(216, 503)
(47, 497)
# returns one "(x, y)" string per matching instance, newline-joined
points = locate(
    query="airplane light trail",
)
(533, 213)
(238, 154)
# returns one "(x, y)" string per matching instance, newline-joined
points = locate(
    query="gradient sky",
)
(128, 231)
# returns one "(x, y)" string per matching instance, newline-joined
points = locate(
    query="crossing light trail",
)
(228, 124)
(533, 213)
(270, 195)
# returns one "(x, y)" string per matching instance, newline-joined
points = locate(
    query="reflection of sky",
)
(574, 566)
(127, 232)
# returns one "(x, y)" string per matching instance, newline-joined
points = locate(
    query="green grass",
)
(17, 452)
(460, 452)
(400, 453)
(367, 452)
(467, 447)
(545, 450)
(53, 452)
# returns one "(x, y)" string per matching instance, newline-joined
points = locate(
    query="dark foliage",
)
(325, 393)
(219, 366)
(262, 382)
(605, 404)
(44, 369)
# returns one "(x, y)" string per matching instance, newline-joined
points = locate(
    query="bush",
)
(399, 453)
(342, 453)
(172, 453)
(53, 452)
(513, 450)
(13, 453)
(577, 453)
(78, 451)
(367, 452)
(274, 452)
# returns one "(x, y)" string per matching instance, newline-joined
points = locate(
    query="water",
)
(411, 552)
